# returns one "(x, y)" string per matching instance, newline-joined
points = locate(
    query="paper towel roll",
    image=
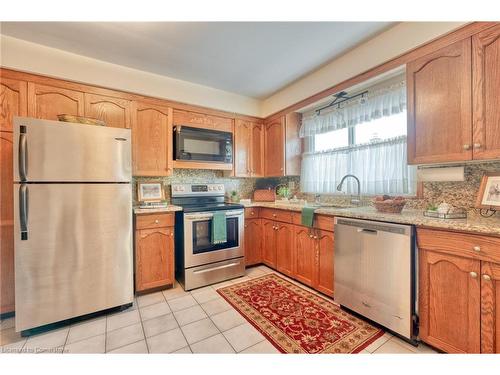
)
(441, 174)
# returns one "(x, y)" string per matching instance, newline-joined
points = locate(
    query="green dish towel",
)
(219, 231)
(307, 217)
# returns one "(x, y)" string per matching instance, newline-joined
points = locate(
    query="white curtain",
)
(381, 168)
(384, 101)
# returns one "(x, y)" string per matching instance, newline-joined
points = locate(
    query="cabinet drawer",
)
(279, 215)
(461, 244)
(154, 221)
(252, 213)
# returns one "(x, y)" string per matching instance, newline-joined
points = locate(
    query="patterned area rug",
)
(295, 320)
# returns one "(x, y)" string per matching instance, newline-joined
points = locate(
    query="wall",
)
(34, 58)
(387, 45)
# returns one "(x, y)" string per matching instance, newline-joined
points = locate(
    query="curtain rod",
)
(340, 98)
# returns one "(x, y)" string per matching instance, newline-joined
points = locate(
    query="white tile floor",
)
(172, 321)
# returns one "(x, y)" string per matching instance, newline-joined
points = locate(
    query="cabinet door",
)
(305, 255)
(154, 258)
(284, 248)
(439, 105)
(257, 154)
(324, 279)
(449, 302)
(115, 112)
(485, 93)
(293, 144)
(253, 242)
(269, 243)
(151, 140)
(490, 308)
(13, 101)
(46, 102)
(242, 145)
(274, 148)
(6, 224)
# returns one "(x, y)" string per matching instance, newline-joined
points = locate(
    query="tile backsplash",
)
(459, 194)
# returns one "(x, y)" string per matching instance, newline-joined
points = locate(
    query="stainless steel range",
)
(198, 260)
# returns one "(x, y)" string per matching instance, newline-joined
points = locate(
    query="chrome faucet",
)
(356, 201)
(317, 199)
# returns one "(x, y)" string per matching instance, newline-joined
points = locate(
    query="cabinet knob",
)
(171, 234)
(310, 236)
(246, 225)
(157, 221)
(466, 146)
(315, 237)
(473, 275)
(486, 277)
(477, 248)
(274, 215)
(477, 145)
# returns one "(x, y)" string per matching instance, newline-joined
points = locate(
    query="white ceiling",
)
(254, 59)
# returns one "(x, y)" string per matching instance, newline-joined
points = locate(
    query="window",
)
(357, 139)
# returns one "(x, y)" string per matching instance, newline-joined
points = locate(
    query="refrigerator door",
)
(55, 151)
(76, 257)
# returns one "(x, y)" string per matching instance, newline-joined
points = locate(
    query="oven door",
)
(203, 145)
(198, 246)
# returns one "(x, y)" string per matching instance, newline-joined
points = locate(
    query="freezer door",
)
(75, 254)
(54, 151)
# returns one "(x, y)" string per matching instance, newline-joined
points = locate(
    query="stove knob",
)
(219, 187)
(210, 188)
(176, 188)
(182, 188)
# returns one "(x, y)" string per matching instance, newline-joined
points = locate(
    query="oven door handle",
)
(198, 217)
(217, 268)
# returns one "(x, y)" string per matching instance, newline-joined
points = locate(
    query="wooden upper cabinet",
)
(486, 93)
(7, 297)
(253, 241)
(325, 268)
(46, 102)
(449, 301)
(201, 120)
(13, 101)
(490, 308)
(274, 148)
(293, 144)
(440, 105)
(151, 140)
(242, 148)
(304, 255)
(284, 248)
(257, 147)
(115, 112)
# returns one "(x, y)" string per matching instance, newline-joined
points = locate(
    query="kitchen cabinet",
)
(253, 241)
(154, 251)
(248, 145)
(305, 255)
(282, 146)
(115, 112)
(458, 291)
(284, 248)
(269, 243)
(324, 262)
(13, 101)
(202, 120)
(439, 105)
(151, 139)
(47, 102)
(485, 93)
(6, 223)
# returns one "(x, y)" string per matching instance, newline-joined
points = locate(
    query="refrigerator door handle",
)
(23, 153)
(23, 211)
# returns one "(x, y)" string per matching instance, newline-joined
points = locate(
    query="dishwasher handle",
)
(367, 231)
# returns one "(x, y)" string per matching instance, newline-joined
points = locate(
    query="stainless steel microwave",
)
(200, 144)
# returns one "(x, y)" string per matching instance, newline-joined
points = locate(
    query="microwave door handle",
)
(23, 211)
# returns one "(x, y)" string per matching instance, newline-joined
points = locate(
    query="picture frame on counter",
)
(150, 192)
(489, 191)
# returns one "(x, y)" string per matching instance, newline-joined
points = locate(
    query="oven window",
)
(202, 230)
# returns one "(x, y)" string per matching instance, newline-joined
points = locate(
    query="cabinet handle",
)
(476, 248)
(466, 147)
(473, 275)
(486, 277)
(477, 145)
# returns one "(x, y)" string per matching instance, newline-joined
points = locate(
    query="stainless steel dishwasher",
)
(375, 272)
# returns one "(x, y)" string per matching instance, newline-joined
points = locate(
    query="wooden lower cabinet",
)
(305, 255)
(490, 308)
(253, 241)
(154, 256)
(325, 259)
(284, 248)
(450, 302)
(269, 243)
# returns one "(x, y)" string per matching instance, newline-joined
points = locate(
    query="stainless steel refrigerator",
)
(72, 220)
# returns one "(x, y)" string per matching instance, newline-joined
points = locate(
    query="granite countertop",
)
(474, 224)
(169, 208)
